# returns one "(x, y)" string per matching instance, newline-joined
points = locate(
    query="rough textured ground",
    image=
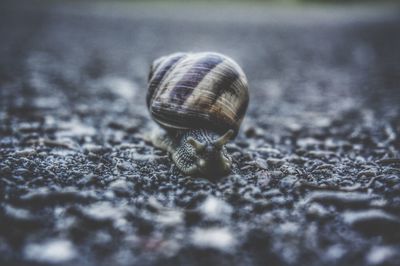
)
(316, 178)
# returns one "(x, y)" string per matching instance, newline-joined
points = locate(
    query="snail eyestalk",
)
(224, 138)
(198, 146)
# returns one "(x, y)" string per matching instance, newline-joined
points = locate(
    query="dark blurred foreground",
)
(316, 177)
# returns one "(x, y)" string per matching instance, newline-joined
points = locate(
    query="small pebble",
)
(217, 238)
(52, 251)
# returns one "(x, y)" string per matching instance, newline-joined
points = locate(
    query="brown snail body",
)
(200, 99)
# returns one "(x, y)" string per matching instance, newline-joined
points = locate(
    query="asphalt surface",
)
(316, 178)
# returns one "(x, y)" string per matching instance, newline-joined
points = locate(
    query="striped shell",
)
(197, 90)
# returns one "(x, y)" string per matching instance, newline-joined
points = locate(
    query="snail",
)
(200, 100)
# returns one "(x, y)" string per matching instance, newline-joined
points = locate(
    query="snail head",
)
(211, 156)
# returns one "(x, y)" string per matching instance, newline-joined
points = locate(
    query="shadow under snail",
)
(200, 100)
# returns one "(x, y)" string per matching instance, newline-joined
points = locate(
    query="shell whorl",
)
(197, 90)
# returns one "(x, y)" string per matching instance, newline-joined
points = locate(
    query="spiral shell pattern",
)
(197, 90)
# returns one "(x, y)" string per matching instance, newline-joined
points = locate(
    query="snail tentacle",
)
(224, 138)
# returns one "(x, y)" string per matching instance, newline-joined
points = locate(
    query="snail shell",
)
(197, 90)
